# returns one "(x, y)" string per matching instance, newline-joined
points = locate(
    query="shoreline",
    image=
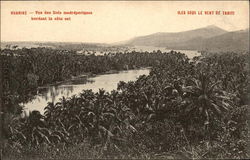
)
(86, 76)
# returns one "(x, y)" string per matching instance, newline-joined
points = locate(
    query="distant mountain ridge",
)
(164, 38)
(211, 38)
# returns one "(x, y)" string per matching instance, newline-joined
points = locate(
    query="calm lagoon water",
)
(107, 81)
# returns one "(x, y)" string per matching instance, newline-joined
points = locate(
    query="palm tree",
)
(204, 99)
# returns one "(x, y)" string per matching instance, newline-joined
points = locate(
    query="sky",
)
(115, 21)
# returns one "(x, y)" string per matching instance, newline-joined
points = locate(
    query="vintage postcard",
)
(124, 80)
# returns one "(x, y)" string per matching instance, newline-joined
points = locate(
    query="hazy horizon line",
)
(110, 43)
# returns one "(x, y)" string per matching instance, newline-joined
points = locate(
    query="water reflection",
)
(49, 93)
(108, 82)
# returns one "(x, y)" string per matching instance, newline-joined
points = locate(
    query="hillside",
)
(162, 39)
(232, 41)
(210, 38)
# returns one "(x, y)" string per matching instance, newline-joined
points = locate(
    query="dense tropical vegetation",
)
(26, 69)
(183, 109)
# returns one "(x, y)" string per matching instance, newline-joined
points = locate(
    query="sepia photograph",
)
(124, 80)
